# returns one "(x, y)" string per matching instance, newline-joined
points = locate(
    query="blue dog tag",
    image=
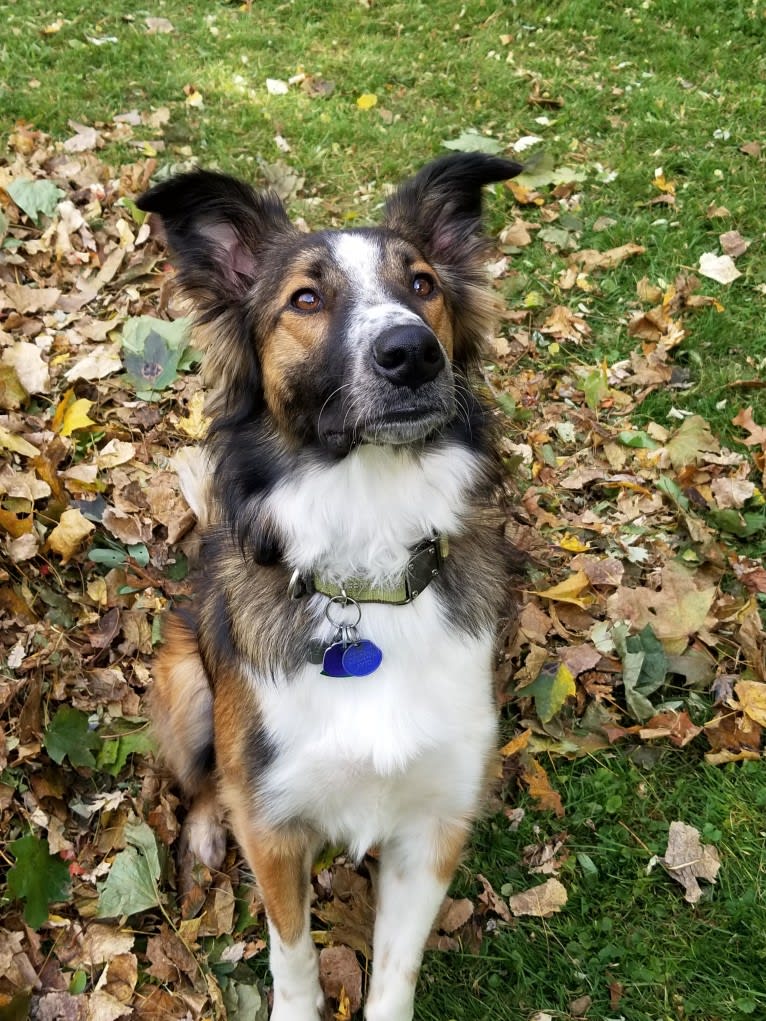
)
(361, 658)
(332, 662)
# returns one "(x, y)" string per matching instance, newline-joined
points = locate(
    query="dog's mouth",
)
(404, 425)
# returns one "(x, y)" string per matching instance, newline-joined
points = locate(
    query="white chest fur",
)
(359, 757)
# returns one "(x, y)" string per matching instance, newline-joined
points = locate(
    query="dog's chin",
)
(404, 427)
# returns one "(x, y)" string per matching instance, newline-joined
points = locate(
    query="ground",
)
(628, 374)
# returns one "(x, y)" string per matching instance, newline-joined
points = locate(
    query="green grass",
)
(659, 84)
(622, 924)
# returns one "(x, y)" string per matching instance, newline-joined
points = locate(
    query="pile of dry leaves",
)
(650, 632)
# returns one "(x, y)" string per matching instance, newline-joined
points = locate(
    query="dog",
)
(334, 680)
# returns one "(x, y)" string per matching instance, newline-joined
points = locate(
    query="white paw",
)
(298, 1008)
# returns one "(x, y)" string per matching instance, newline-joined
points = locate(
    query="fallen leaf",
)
(733, 243)
(589, 258)
(339, 973)
(31, 369)
(539, 787)
(752, 700)
(66, 537)
(367, 100)
(687, 859)
(277, 87)
(757, 432)
(675, 611)
(571, 590)
(718, 267)
(540, 901)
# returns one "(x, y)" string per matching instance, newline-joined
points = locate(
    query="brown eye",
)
(423, 285)
(306, 300)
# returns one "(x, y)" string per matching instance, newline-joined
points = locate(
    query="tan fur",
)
(181, 705)
(448, 850)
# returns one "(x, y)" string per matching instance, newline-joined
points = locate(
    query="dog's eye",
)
(423, 285)
(306, 300)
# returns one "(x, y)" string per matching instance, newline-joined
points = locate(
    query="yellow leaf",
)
(516, 744)
(573, 544)
(752, 697)
(569, 590)
(71, 414)
(69, 533)
(343, 1013)
(195, 424)
(16, 444)
(367, 100)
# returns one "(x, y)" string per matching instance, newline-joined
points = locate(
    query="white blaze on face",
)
(360, 258)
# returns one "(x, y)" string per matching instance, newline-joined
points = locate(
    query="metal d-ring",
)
(343, 601)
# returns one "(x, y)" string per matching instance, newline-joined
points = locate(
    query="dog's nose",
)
(408, 356)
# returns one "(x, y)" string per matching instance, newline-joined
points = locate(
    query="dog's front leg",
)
(415, 871)
(281, 863)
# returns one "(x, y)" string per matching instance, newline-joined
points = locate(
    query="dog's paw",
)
(203, 837)
(299, 1008)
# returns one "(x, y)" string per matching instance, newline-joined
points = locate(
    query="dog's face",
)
(340, 336)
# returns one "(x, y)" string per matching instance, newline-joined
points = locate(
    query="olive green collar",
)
(425, 563)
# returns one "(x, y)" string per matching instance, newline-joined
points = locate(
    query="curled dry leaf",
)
(540, 901)
(687, 859)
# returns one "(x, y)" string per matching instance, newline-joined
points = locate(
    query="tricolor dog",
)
(333, 680)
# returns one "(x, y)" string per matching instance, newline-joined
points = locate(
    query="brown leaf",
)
(339, 973)
(454, 914)
(687, 860)
(170, 957)
(590, 258)
(540, 901)
(493, 901)
(539, 786)
(733, 243)
(676, 611)
(757, 437)
(676, 726)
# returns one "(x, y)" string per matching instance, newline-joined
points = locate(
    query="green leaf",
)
(152, 353)
(472, 141)
(35, 197)
(244, 1002)
(637, 438)
(550, 689)
(539, 170)
(114, 752)
(69, 736)
(644, 669)
(131, 885)
(595, 386)
(673, 491)
(38, 878)
(110, 557)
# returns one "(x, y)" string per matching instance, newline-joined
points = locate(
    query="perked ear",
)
(218, 228)
(440, 208)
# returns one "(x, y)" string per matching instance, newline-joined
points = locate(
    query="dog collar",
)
(425, 563)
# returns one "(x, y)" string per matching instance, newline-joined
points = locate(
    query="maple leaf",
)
(675, 611)
(68, 735)
(38, 878)
(131, 885)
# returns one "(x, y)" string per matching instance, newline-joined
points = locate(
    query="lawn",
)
(631, 390)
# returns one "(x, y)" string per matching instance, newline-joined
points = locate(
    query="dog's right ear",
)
(218, 229)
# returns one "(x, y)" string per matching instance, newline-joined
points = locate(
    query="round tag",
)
(332, 663)
(362, 658)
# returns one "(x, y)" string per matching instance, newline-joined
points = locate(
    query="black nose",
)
(408, 356)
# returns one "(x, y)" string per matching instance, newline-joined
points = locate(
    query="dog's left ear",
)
(440, 208)
(218, 229)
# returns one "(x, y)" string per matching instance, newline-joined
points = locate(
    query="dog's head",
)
(340, 336)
